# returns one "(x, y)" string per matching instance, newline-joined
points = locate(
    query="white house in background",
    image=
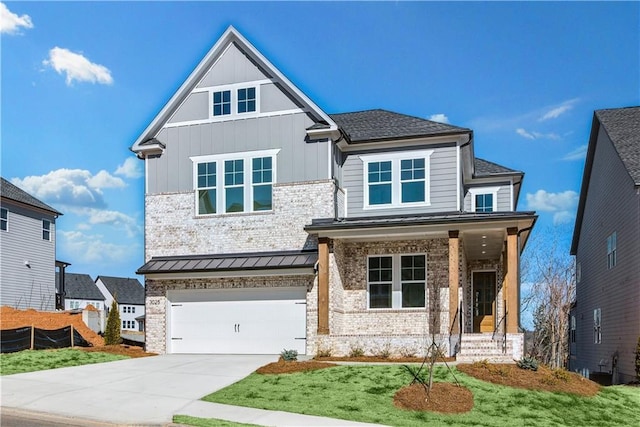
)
(28, 247)
(81, 291)
(129, 295)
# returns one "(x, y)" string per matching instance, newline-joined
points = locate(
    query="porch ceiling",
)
(483, 244)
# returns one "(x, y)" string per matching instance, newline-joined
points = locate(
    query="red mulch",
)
(283, 367)
(446, 398)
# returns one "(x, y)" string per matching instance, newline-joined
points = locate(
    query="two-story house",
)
(129, 296)
(81, 291)
(28, 246)
(605, 319)
(271, 225)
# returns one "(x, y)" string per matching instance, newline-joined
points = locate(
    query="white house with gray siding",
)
(605, 319)
(28, 247)
(271, 225)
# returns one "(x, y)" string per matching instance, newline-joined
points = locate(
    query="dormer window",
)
(484, 199)
(484, 202)
(396, 179)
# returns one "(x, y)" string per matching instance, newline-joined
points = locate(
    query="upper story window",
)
(230, 100)
(611, 250)
(396, 281)
(4, 219)
(484, 199)
(396, 179)
(236, 182)
(222, 103)
(46, 229)
(597, 326)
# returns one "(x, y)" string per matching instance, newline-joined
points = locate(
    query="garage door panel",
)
(235, 326)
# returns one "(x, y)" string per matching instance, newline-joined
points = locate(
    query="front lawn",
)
(38, 360)
(365, 393)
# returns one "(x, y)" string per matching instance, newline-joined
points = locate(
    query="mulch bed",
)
(553, 380)
(283, 367)
(446, 398)
(122, 349)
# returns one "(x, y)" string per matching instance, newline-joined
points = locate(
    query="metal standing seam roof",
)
(372, 125)
(124, 290)
(12, 192)
(230, 262)
(80, 286)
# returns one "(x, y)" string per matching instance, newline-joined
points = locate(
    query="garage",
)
(237, 321)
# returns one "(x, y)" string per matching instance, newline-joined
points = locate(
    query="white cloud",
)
(557, 110)
(114, 219)
(130, 168)
(536, 135)
(10, 23)
(88, 248)
(77, 67)
(577, 154)
(561, 204)
(70, 187)
(440, 118)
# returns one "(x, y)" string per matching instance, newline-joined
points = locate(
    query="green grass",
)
(203, 422)
(38, 360)
(365, 393)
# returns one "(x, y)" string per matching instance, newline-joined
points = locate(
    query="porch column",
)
(454, 280)
(511, 282)
(323, 286)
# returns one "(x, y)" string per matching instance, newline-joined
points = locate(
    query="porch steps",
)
(478, 347)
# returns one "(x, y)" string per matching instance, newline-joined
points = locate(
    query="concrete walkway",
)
(145, 392)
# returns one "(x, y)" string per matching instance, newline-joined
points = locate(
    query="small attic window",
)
(222, 103)
(246, 100)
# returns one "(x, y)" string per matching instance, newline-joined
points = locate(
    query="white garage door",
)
(237, 321)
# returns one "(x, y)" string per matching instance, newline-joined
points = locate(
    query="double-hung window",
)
(483, 199)
(235, 182)
(396, 179)
(4, 219)
(396, 281)
(611, 250)
(46, 229)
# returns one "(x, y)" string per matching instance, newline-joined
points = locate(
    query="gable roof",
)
(12, 192)
(383, 125)
(80, 286)
(124, 290)
(485, 168)
(231, 35)
(622, 126)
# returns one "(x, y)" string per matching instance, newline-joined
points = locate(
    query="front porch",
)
(469, 283)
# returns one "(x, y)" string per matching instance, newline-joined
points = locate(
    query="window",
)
(484, 203)
(597, 326)
(572, 330)
(222, 103)
(396, 281)
(611, 250)
(578, 272)
(133, 309)
(484, 199)
(4, 219)
(245, 182)
(396, 179)
(46, 229)
(246, 100)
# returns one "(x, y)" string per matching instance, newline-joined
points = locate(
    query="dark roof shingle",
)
(124, 290)
(381, 125)
(623, 127)
(80, 286)
(12, 192)
(487, 168)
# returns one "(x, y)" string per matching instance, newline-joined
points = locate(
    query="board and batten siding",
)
(612, 205)
(31, 286)
(503, 203)
(297, 161)
(443, 180)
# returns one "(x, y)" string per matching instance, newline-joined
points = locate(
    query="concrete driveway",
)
(144, 391)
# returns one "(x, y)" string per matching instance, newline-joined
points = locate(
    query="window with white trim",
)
(4, 219)
(572, 330)
(484, 199)
(232, 100)
(222, 103)
(597, 326)
(46, 229)
(611, 250)
(233, 183)
(396, 281)
(396, 179)
(246, 100)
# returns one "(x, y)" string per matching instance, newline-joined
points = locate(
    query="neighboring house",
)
(272, 225)
(81, 291)
(129, 296)
(605, 319)
(28, 246)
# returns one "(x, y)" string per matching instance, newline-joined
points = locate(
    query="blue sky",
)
(81, 80)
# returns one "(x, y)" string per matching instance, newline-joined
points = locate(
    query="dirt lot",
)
(11, 318)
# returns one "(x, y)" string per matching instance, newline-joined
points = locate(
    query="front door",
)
(484, 301)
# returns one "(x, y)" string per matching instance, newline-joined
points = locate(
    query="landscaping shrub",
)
(112, 332)
(289, 355)
(528, 363)
(356, 350)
